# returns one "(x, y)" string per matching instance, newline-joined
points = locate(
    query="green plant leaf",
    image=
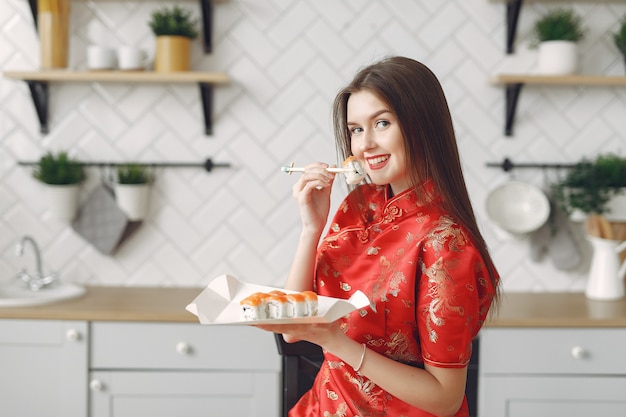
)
(59, 170)
(559, 25)
(174, 21)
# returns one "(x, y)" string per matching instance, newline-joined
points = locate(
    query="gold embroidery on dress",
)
(438, 276)
(399, 348)
(332, 395)
(341, 411)
(345, 286)
(335, 364)
(373, 250)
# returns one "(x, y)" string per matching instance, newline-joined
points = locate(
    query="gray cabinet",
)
(43, 368)
(57, 368)
(552, 372)
(157, 370)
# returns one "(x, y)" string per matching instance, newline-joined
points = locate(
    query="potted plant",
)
(620, 38)
(132, 190)
(557, 34)
(62, 176)
(595, 187)
(174, 29)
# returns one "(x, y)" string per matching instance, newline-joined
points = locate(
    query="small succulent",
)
(59, 169)
(133, 174)
(174, 21)
(559, 25)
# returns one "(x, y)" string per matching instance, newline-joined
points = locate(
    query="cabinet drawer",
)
(550, 396)
(181, 346)
(188, 394)
(553, 351)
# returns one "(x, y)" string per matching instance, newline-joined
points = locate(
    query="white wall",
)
(286, 58)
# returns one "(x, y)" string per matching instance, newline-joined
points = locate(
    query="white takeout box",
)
(218, 303)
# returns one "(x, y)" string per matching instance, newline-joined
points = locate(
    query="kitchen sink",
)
(17, 294)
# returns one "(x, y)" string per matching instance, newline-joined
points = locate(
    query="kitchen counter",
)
(167, 304)
(109, 303)
(557, 310)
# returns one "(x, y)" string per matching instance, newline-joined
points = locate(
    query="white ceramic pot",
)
(606, 275)
(133, 200)
(557, 57)
(63, 200)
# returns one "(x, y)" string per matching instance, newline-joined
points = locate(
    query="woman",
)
(408, 239)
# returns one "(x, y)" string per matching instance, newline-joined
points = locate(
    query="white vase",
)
(557, 57)
(63, 200)
(606, 275)
(133, 200)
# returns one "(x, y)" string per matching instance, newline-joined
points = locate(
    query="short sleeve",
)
(451, 290)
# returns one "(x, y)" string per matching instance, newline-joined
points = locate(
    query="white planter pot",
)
(63, 200)
(133, 200)
(557, 57)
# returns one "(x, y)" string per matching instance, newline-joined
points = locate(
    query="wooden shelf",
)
(514, 82)
(38, 84)
(592, 80)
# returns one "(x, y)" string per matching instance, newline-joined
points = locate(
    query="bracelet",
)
(362, 357)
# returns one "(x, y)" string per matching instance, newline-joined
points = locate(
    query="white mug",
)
(131, 58)
(100, 58)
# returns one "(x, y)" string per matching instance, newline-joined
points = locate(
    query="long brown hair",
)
(415, 95)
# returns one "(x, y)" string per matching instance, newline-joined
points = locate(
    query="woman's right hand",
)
(312, 191)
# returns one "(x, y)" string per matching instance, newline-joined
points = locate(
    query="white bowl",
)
(518, 207)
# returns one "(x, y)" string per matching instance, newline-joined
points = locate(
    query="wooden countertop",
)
(167, 304)
(557, 310)
(104, 303)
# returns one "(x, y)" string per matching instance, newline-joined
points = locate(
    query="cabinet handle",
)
(579, 352)
(72, 335)
(183, 348)
(96, 385)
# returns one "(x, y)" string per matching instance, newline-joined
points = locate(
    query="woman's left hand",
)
(320, 334)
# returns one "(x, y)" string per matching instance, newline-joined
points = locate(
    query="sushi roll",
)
(278, 307)
(254, 307)
(311, 302)
(356, 173)
(298, 304)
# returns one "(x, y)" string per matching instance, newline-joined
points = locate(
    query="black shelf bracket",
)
(512, 92)
(206, 6)
(39, 94)
(206, 94)
(513, 8)
(33, 10)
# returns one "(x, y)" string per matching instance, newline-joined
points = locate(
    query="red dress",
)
(430, 287)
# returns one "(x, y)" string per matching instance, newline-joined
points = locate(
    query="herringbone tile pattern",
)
(286, 58)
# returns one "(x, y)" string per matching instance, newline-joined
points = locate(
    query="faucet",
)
(37, 281)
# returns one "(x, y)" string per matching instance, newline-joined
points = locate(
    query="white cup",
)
(131, 58)
(100, 58)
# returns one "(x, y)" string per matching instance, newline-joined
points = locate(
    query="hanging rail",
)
(208, 164)
(507, 165)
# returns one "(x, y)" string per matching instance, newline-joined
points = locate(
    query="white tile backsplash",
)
(286, 60)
